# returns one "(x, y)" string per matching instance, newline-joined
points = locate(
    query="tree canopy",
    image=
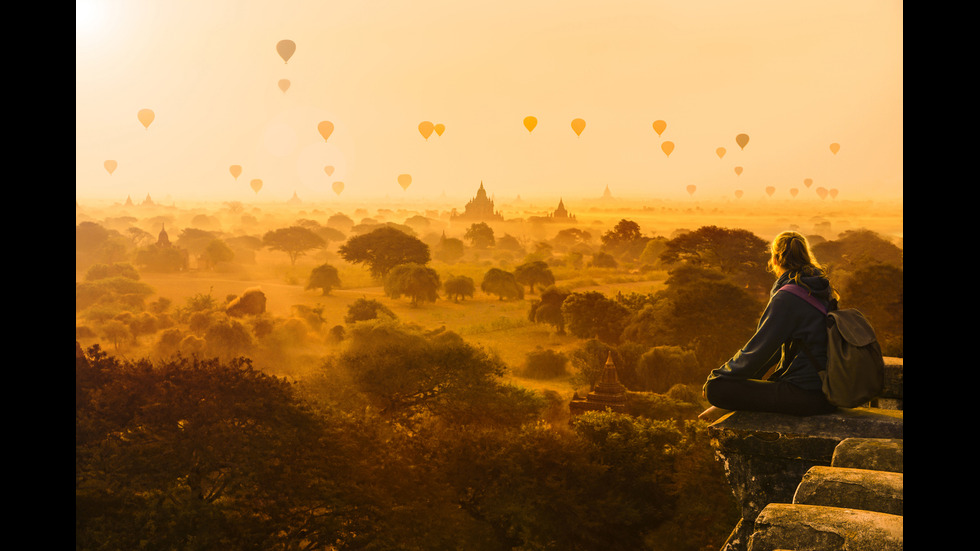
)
(418, 282)
(295, 241)
(384, 248)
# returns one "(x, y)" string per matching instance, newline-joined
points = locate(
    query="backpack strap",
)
(802, 293)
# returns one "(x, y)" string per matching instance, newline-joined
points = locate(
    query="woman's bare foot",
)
(712, 414)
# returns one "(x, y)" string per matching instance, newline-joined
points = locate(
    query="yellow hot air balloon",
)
(770, 190)
(738, 171)
(286, 48)
(146, 116)
(236, 170)
(110, 166)
(738, 194)
(822, 192)
(284, 85)
(659, 127)
(530, 122)
(720, 152)
(794, 192)
(833, 193)
(834, 148)
(404, 180)
(691, 189)
(578, 125)
(439, 128)
(668, 147)
(338, 187)
(325, 128)
(425, 128)
(808, 182)
(742, 140)
(329, 170)
(256, 185)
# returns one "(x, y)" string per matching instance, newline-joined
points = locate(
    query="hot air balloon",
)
(236, 171)
(329, 170)
(738, 194)
(720, 152)
(770, 190)
(742, 140)
(822, 192)
(439, 128)
(110, 166)
(578, 125)
(808, 182)
(691, 189)
(425, 128)
(256, 185)
(667, 147)
(284, 85)
(833, 193)
(325, 128)
(338, 187)
(404, 180)
(529, 123)
(738, 171)
(793, 191)
(659, 127)
(286, 49)
(834, 148)
(146, 116)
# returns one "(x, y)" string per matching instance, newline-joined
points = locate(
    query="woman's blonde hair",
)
(791, 253)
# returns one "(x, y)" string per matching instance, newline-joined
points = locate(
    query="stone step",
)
(817, 527)
(878, 454)
(863, 489)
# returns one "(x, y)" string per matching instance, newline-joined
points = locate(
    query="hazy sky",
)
(794, 76)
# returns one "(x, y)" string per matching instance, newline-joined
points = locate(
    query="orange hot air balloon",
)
(793, 191)
(738, 194)
(738, 171)
(834, 148)
(325, 128)
(284, 85)
(236, 171)
(667, 147)
(329, 170)
(146, 116)
(833, 193)
(286, 48)
(426, 128)
(691, 189)
(530, 122)
(822, 192)
(110, 166)
(256, 185)
(578, 125)
(808, 182)
(720, 152)
(770, 190)
(742, 140)
(439, 128)
(659, 127)
(338, 187)
(404, 180)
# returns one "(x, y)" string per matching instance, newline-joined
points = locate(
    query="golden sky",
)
(794, 76)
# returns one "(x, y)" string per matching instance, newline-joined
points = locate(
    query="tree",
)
(480, 235)
(364, 309)
(737, 253)
(383, 249)
(295, 241)
(216, 252)
(592, 314)
(534, 273)
(449, 249)
(501, 283)
(418, 282)
(459, 287)
(548, 309)
(324, 277)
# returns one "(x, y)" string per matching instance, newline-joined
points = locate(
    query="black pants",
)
(772, 396)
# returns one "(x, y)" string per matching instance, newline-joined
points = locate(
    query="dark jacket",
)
(786, 318)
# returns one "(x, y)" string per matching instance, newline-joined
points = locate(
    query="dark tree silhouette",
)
(384, 248)
(295, 241)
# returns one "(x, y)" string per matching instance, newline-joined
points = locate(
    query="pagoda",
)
(480, 208)
(608, 394)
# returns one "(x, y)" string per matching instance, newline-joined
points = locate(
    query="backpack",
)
(855, 371)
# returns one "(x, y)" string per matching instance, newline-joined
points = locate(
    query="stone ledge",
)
(861, 489)
(878, 454)
(815, 527)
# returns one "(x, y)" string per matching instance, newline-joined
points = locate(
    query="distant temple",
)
(148, 202)
(560, 214)
(480, 208)
(609, 393)
(294, 200)
(163, 240)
